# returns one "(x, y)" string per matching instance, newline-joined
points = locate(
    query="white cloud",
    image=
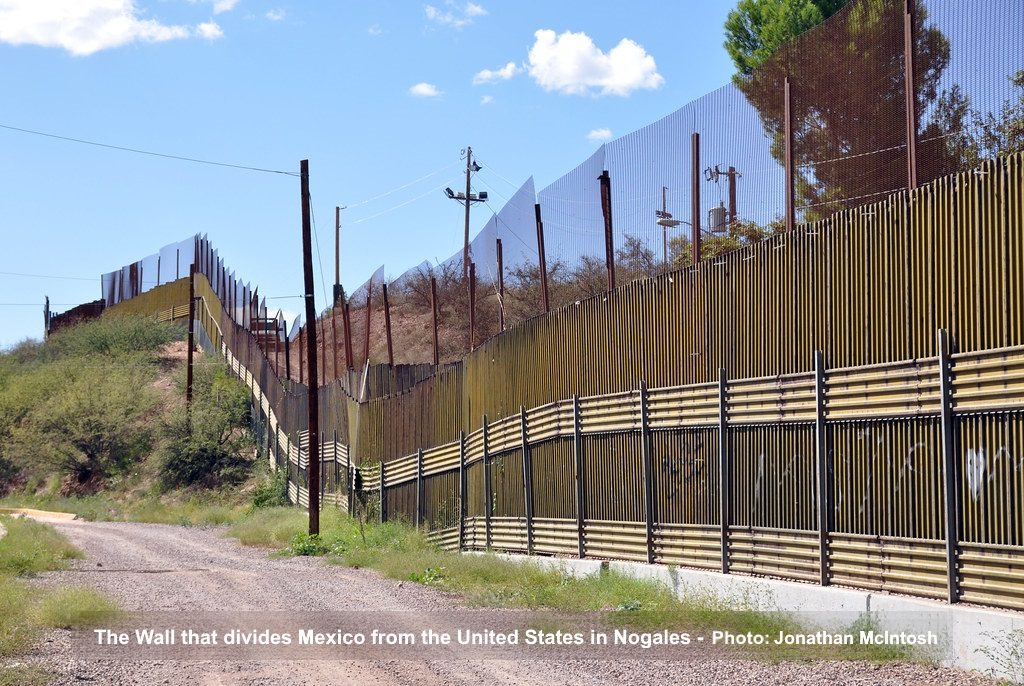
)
(491, 75)
(221, 6)
(210, 30)
(486, 99)
(599, 135)
(454, 15)
(424, 90)
(375, 30)
(571, 63)
(275, 14)
(82, 27)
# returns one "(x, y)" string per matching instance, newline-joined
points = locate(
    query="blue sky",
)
(269, 83)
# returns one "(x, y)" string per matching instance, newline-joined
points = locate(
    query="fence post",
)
(383, 512)
(609, 243)
(387, 327)
(462, 490)
(724, 469)
(823, 467)
(910, 90)
(527, 480)
(488, 489)
(472, 306)
(433, 307)
(581, 493)
(787, 125)
(543, 264)
(949, 470)
(695, 178)
(501, 284)
(645, 452)
(419, 488)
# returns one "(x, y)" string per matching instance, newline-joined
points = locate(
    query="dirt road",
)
(166, 568)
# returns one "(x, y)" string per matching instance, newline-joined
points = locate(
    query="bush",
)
(111, 336)
(83, 418)
(305, 544)
(272, 490)
(208, 448)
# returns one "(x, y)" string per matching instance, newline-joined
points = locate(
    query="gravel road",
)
(165, 568)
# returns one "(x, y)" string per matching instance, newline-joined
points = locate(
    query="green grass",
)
(31, 547)
(400, 552)
(75, 607)
(182, 508)
(23, 675)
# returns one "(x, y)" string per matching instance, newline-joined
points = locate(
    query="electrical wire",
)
(403, 204)
(148, 152)
(48, 276)
(402, 187)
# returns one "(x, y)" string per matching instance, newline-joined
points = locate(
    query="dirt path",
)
(166, 568)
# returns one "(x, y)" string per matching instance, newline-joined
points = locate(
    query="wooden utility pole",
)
(334, 342)
(191, 337)
(609, 243)
(465, 244)
(543, 261)
(695, 197)
(337, 254)
(472, 306)
(387, 327)
(433, 307)
(501, 286)
(314, 401)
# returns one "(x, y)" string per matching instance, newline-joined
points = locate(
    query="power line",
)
(147, 152)
(48, 276)
(403, 204)
(402, 187)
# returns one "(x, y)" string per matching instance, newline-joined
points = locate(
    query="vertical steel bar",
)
(581, 483)
(462, 490)
(527, 479)
(542, 260)
(347, 317)
(609, 243)
(433, 307)
(387, 327)
(695, 176)
(645, 452)
(419, 488)
(724, 469)
(501, 286)
(488, 488)
(383, 501)
(788, 134)
(191, 336)
(824, 471)
(949, 471)
(369, 311)
(910, 89)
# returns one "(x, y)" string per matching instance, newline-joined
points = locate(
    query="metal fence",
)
(841, 404)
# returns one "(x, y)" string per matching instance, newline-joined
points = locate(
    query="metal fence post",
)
(488, 489)
(462, 490)
(383, 502)
(645, 452)
(527, 480)
(724, 469)
(823, 468)
(419, 488)
(949, 470)
(581, 483)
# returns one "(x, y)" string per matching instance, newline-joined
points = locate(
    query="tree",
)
(847, 84)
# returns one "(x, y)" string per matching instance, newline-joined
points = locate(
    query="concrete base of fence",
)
(969, 636)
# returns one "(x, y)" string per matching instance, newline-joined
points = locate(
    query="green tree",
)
(847, 84)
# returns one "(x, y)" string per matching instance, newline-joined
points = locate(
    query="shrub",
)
(112, 336)
(305, 544)
(272, 490)
(207, 448)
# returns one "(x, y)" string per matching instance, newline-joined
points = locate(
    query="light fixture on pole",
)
(467, 198)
